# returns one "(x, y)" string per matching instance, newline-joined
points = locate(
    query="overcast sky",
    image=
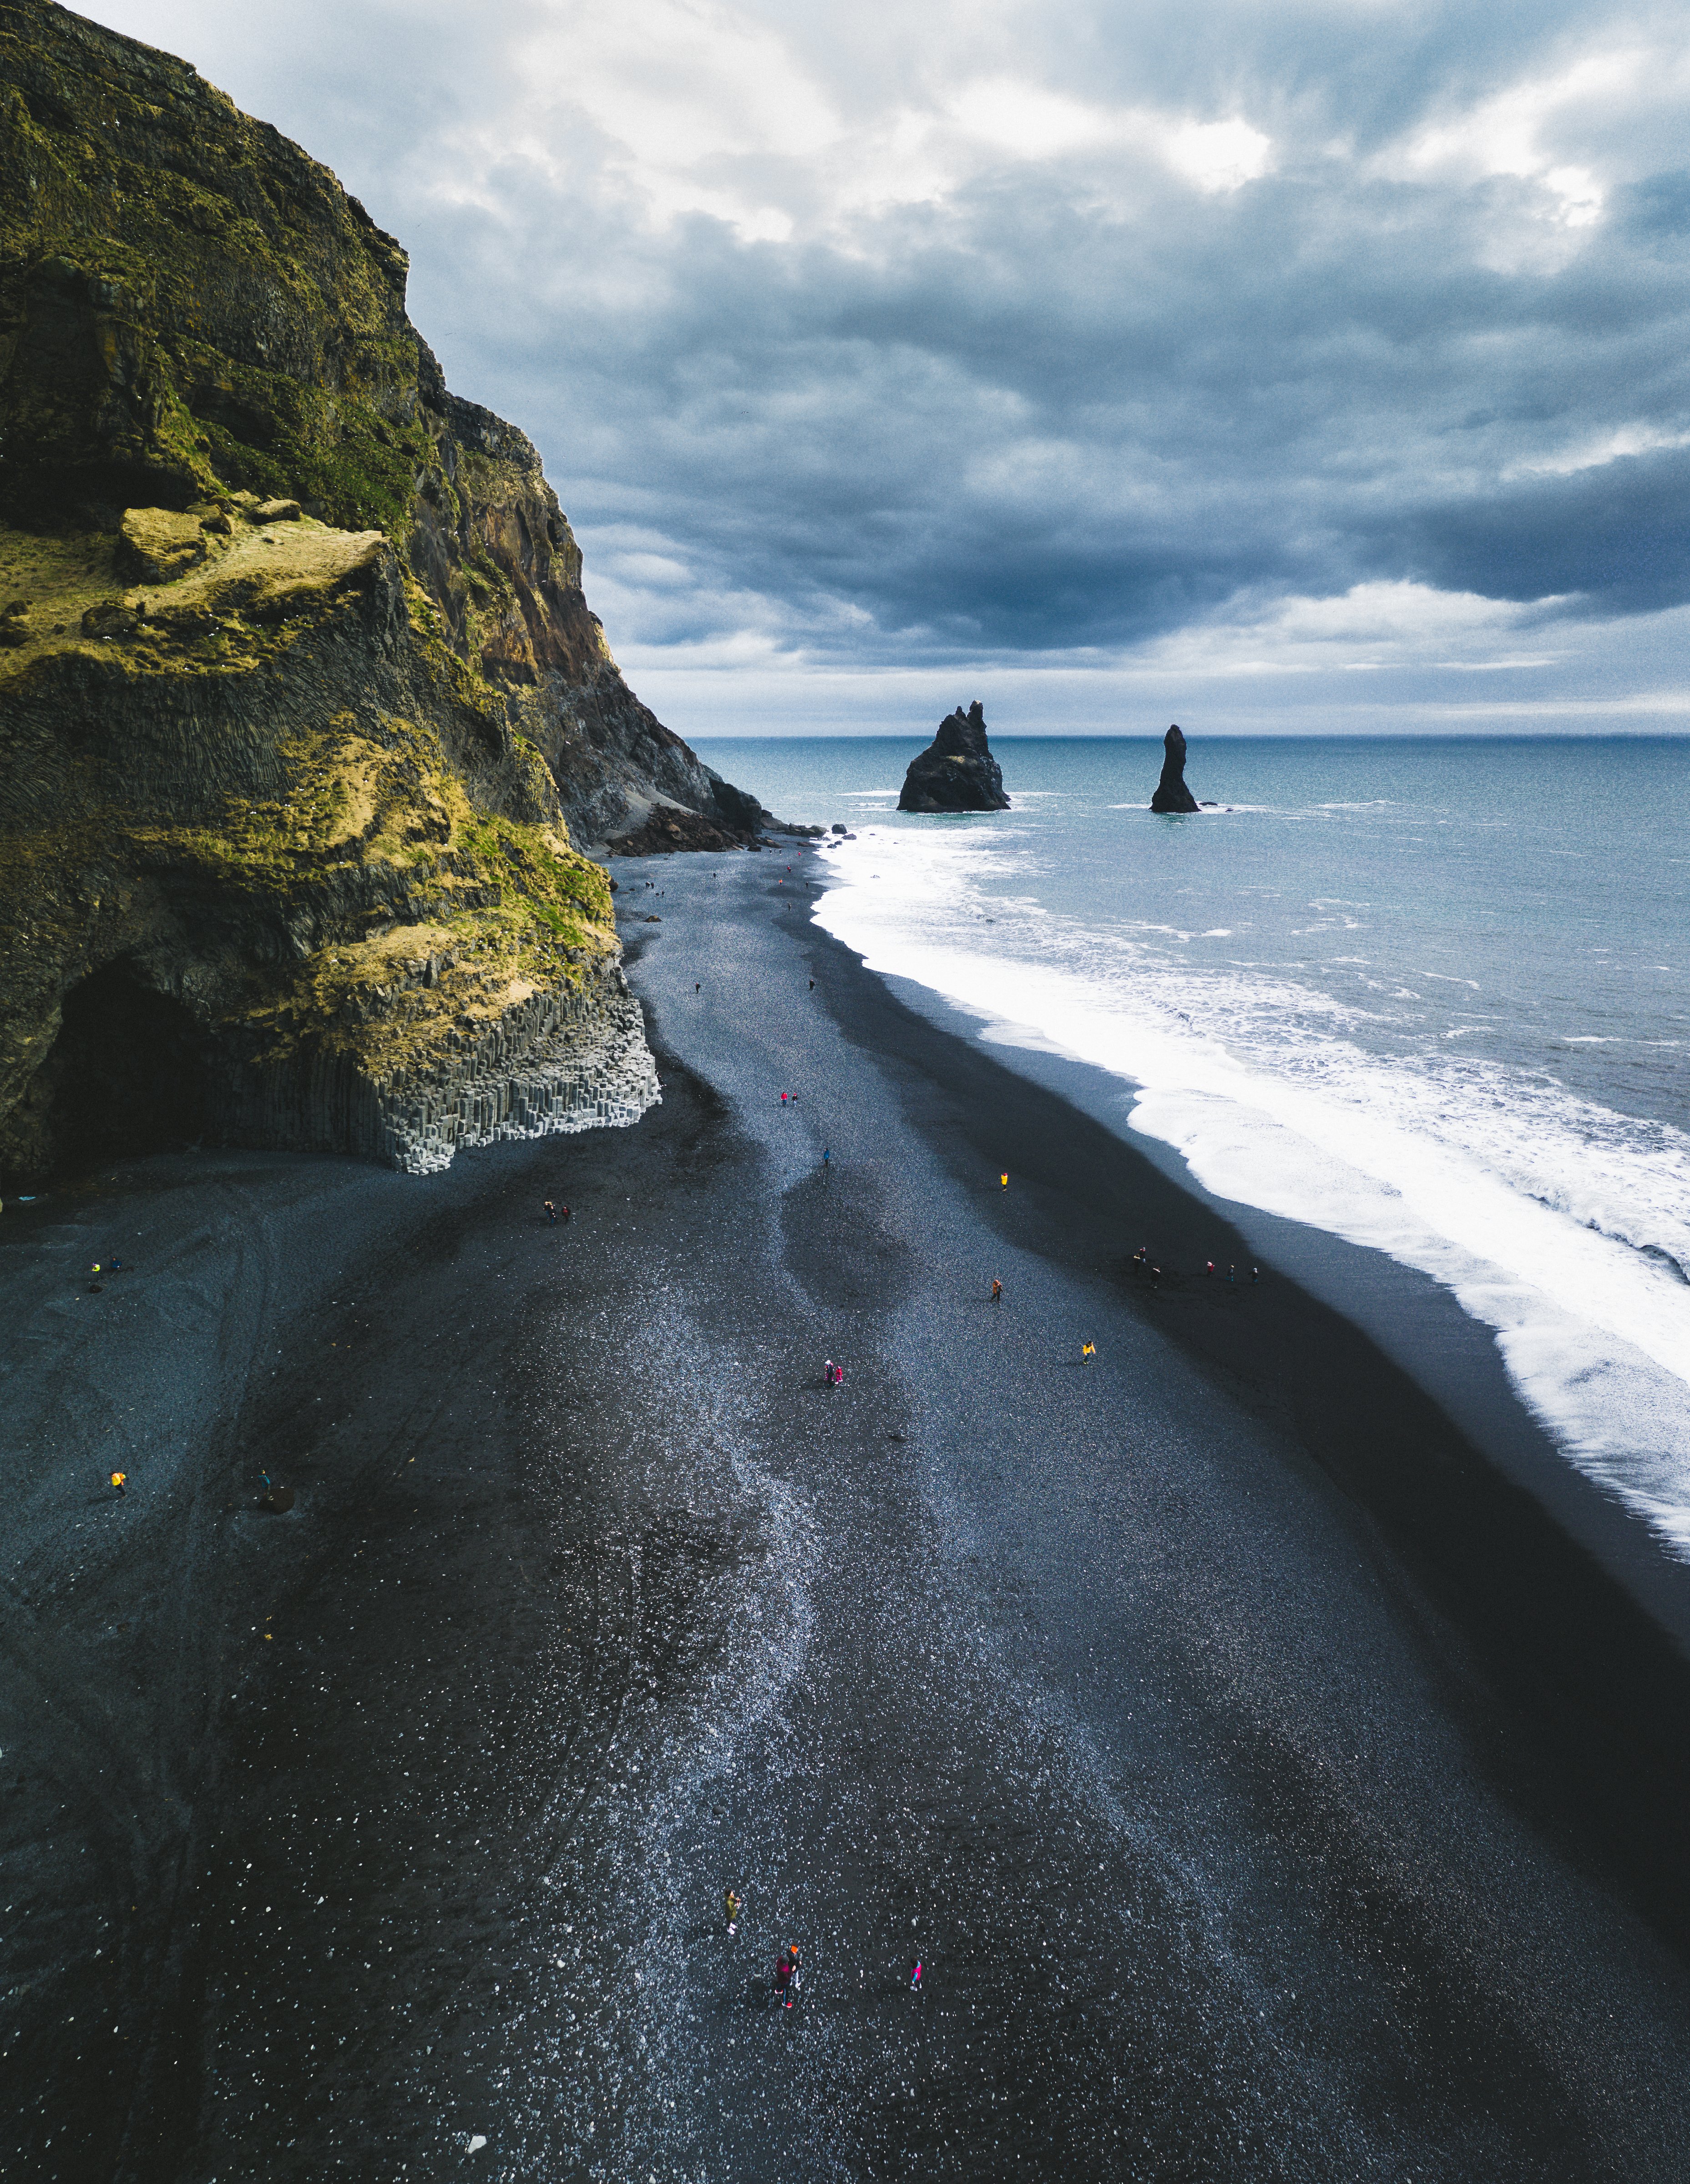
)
(1279, 365)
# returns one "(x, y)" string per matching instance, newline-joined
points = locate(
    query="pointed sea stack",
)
(1171, 792)
(955, 773)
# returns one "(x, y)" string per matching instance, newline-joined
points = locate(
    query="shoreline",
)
(1411, 1317)
(1235, 1842)
(1558, 1580)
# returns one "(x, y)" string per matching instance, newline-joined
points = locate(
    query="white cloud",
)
(1369, 628)
(1219, 155)
(1574, 130)
(1608, 447)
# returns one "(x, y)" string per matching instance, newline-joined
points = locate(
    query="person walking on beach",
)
(915, 1976)
(1255, 1275)
(1208, 1266)
(997, 1291)
(1003, 1182)
(732, 1906)
(551, 1214)
(1088, 1353)
(118, 1479)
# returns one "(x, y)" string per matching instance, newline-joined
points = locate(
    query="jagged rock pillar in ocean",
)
(1171, 792)
(957, 771)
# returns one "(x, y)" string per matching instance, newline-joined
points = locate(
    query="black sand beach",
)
(1263, 1746)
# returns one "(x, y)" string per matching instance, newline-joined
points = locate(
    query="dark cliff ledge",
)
(957, 771)
(304, 721)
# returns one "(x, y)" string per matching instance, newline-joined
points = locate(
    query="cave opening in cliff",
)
(126, 1075)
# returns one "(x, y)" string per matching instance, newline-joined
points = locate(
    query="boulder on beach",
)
(1171, 792)
(957, 771)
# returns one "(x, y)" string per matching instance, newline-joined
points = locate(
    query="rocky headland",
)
(1171, 793)
(305, 725)
(957, 771)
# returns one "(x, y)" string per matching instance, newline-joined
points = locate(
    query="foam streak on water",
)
(1405, 1072)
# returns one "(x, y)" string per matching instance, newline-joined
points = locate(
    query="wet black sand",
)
(1271, 1788)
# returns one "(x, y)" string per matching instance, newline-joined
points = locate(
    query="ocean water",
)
(1432, 996)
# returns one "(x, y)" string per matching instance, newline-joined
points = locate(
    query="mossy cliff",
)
(300, 697)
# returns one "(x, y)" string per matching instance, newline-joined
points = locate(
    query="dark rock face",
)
(1171, 792)
(671, 826)
(956, 772)
(304, 721)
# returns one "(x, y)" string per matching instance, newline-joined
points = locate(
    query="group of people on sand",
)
(1143, 1263)
(832, 1375)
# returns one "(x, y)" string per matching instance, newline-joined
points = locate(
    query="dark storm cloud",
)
(1013, 331)
(1616, 537)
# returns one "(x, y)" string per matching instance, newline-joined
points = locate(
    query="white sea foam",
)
(1561, 1225)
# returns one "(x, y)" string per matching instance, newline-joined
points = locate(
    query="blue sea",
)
(1430, 995)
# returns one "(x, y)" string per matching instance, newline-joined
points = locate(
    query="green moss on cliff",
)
(199, 300)
(294, 777)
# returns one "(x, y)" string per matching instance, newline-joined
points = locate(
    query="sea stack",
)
(956, 772)
(1171, 792)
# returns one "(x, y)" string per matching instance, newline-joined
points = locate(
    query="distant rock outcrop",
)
(957, 771)
(1171, 792)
